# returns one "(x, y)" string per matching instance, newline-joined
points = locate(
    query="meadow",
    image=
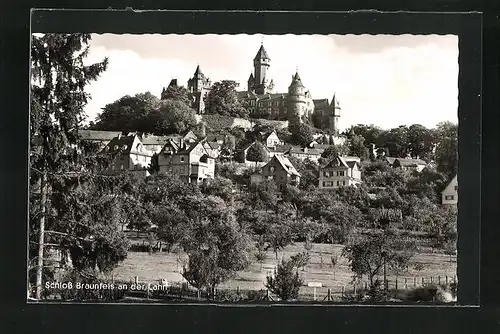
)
(156, 266)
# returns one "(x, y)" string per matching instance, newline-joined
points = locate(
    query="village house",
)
(303, 153)
(279, 150)
(271, 139)
(449, 196)
(190, 161)
(244, 150)
(338, 173)
(100, 137)
(132, 156)
(280, 170)
(409, 164)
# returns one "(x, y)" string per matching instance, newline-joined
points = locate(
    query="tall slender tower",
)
(296, 100)
(333, 119)
(261, 64)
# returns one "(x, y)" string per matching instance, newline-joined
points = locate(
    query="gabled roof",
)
(155, 140)
(97, 135)
(453, 180)
(352, 163)
(213, 145)
(281, 148)
(337, 162)
(247, 146)
(410, 162)
(261, 54)
(321, 104)
(390, 160)
(286, 164)
(309, 151)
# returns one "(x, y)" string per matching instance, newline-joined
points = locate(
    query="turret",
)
(296, 99)
(198, 81)
(261, 64)
(250, 82)
(333, 121)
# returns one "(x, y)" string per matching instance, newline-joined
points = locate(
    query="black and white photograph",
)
(247, 169)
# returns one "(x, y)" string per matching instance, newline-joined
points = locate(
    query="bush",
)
(286, 281)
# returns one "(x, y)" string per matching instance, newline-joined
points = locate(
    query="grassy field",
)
(156, 266)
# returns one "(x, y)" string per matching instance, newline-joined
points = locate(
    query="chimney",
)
(119, 136)
(181, 143)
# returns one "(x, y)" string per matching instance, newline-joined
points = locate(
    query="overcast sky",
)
(383, 80)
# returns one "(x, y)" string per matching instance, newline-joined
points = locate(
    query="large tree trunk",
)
(41, 235)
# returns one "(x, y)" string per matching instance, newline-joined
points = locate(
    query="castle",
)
(296, 105)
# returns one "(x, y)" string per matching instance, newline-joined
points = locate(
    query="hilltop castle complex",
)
(295, 105)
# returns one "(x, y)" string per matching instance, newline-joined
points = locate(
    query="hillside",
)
(219, 122)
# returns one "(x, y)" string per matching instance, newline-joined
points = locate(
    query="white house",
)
(449, 196)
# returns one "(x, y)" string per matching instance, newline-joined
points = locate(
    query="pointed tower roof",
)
(198, 71)
(335, 101)
(296, 81)
(261, 54)
(251, 77)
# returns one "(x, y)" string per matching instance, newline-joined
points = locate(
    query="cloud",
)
(384, 80)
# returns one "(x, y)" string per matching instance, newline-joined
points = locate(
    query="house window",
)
(449, 197)
(456, 188)
(272, 169)
(182, 159)
(281, 178)
(324, 184)
(338, 183)
(121, 167)
(326, 174)
(343, 183)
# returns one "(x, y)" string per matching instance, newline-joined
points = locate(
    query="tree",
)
(171, 223)
(129, 114)
(217, 246)
(447, 148)
(177, 93)
(278, 233)
(396, 141)
(153, 165)
(223, 100)
(58, 99)
(371, 255)
(357, 147)
(370, 133)
(300, 260)
(258, 153)
(286, 282)
(421, 141)
(174, 117)
(301, 133)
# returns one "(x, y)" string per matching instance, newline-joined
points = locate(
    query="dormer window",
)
(115, 147)
(272, 169)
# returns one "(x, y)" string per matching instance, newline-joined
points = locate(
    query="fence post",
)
(148, 292)
(396, 283)
(423, 281)
(432, 280)
(136, 280)
(446, 278)
(267, 294)
(406, 281)
(198, 294)
(343, 290)
(354, 289)
(238, 290)
(414, 281)
(439, 280)
(366, 286)
(329, 294)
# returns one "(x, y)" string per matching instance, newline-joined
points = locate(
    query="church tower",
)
(296, 100)
(333, 119)
(261, 64)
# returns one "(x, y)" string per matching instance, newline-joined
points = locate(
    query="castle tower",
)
(261, 64)
(198, 81)
(296, 100)
(251, 83)
(333, 119)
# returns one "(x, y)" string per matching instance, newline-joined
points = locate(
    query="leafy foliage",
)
(223, 100)
(301, 133)
(257, 152)
(286, 281)
(174, 117)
